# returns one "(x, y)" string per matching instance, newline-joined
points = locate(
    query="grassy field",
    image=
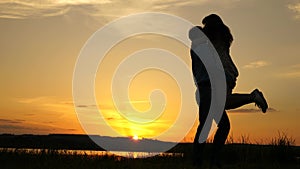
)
(280, 154)
(234, 157)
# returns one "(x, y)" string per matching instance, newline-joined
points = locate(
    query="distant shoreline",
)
(76, 142)
(84, 142)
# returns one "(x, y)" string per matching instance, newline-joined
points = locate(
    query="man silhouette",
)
(220, 36)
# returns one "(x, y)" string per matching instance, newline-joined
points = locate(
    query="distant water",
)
(92, 152)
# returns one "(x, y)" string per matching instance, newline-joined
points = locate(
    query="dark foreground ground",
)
(279, 154)
(235, 156)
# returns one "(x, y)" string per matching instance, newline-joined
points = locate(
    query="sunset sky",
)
(41, 40)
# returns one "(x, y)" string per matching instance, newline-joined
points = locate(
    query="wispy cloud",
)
(30, 100)
(158, 4)
(295, 66)
(44, 114)
(256, 64)
(23, 9)
(15, 121)
(29, 129)
(35, 9)
(257, 110)
(296, 9)
(48, 101)
(292, 75)
(64, 2)
(292, 72)
(53, 106)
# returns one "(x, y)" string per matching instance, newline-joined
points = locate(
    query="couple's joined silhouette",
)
(221, 38)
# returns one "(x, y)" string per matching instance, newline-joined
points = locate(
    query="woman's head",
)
(216, 30)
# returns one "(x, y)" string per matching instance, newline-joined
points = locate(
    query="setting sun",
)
(135, 137)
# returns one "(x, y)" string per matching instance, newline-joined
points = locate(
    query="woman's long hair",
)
(216, 30)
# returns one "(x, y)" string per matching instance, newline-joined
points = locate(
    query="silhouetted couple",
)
(220, 36)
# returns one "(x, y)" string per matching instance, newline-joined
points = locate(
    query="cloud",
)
(110, 118)
(23, 9)
(296, 9)
(295, 66)
(92, 106)
(76, 2)
(291, 72)
(158, 4)
(82, 106)
(9, 121)
(9, 125)
(30, 100)
(256, 64)
(55, 107)
(290, 75)
(45, 100)
(257, 110)
(17, 9)
(26, 129)
(19, 126)
(7, 128)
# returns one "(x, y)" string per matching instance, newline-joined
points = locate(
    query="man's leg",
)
(204, 105)
(220, 138)
(198, 148)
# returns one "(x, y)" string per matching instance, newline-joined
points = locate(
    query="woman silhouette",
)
(220, 36)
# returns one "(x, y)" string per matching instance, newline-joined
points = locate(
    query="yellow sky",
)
(40, 43)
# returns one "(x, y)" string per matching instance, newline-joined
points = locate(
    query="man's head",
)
(194, 33)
